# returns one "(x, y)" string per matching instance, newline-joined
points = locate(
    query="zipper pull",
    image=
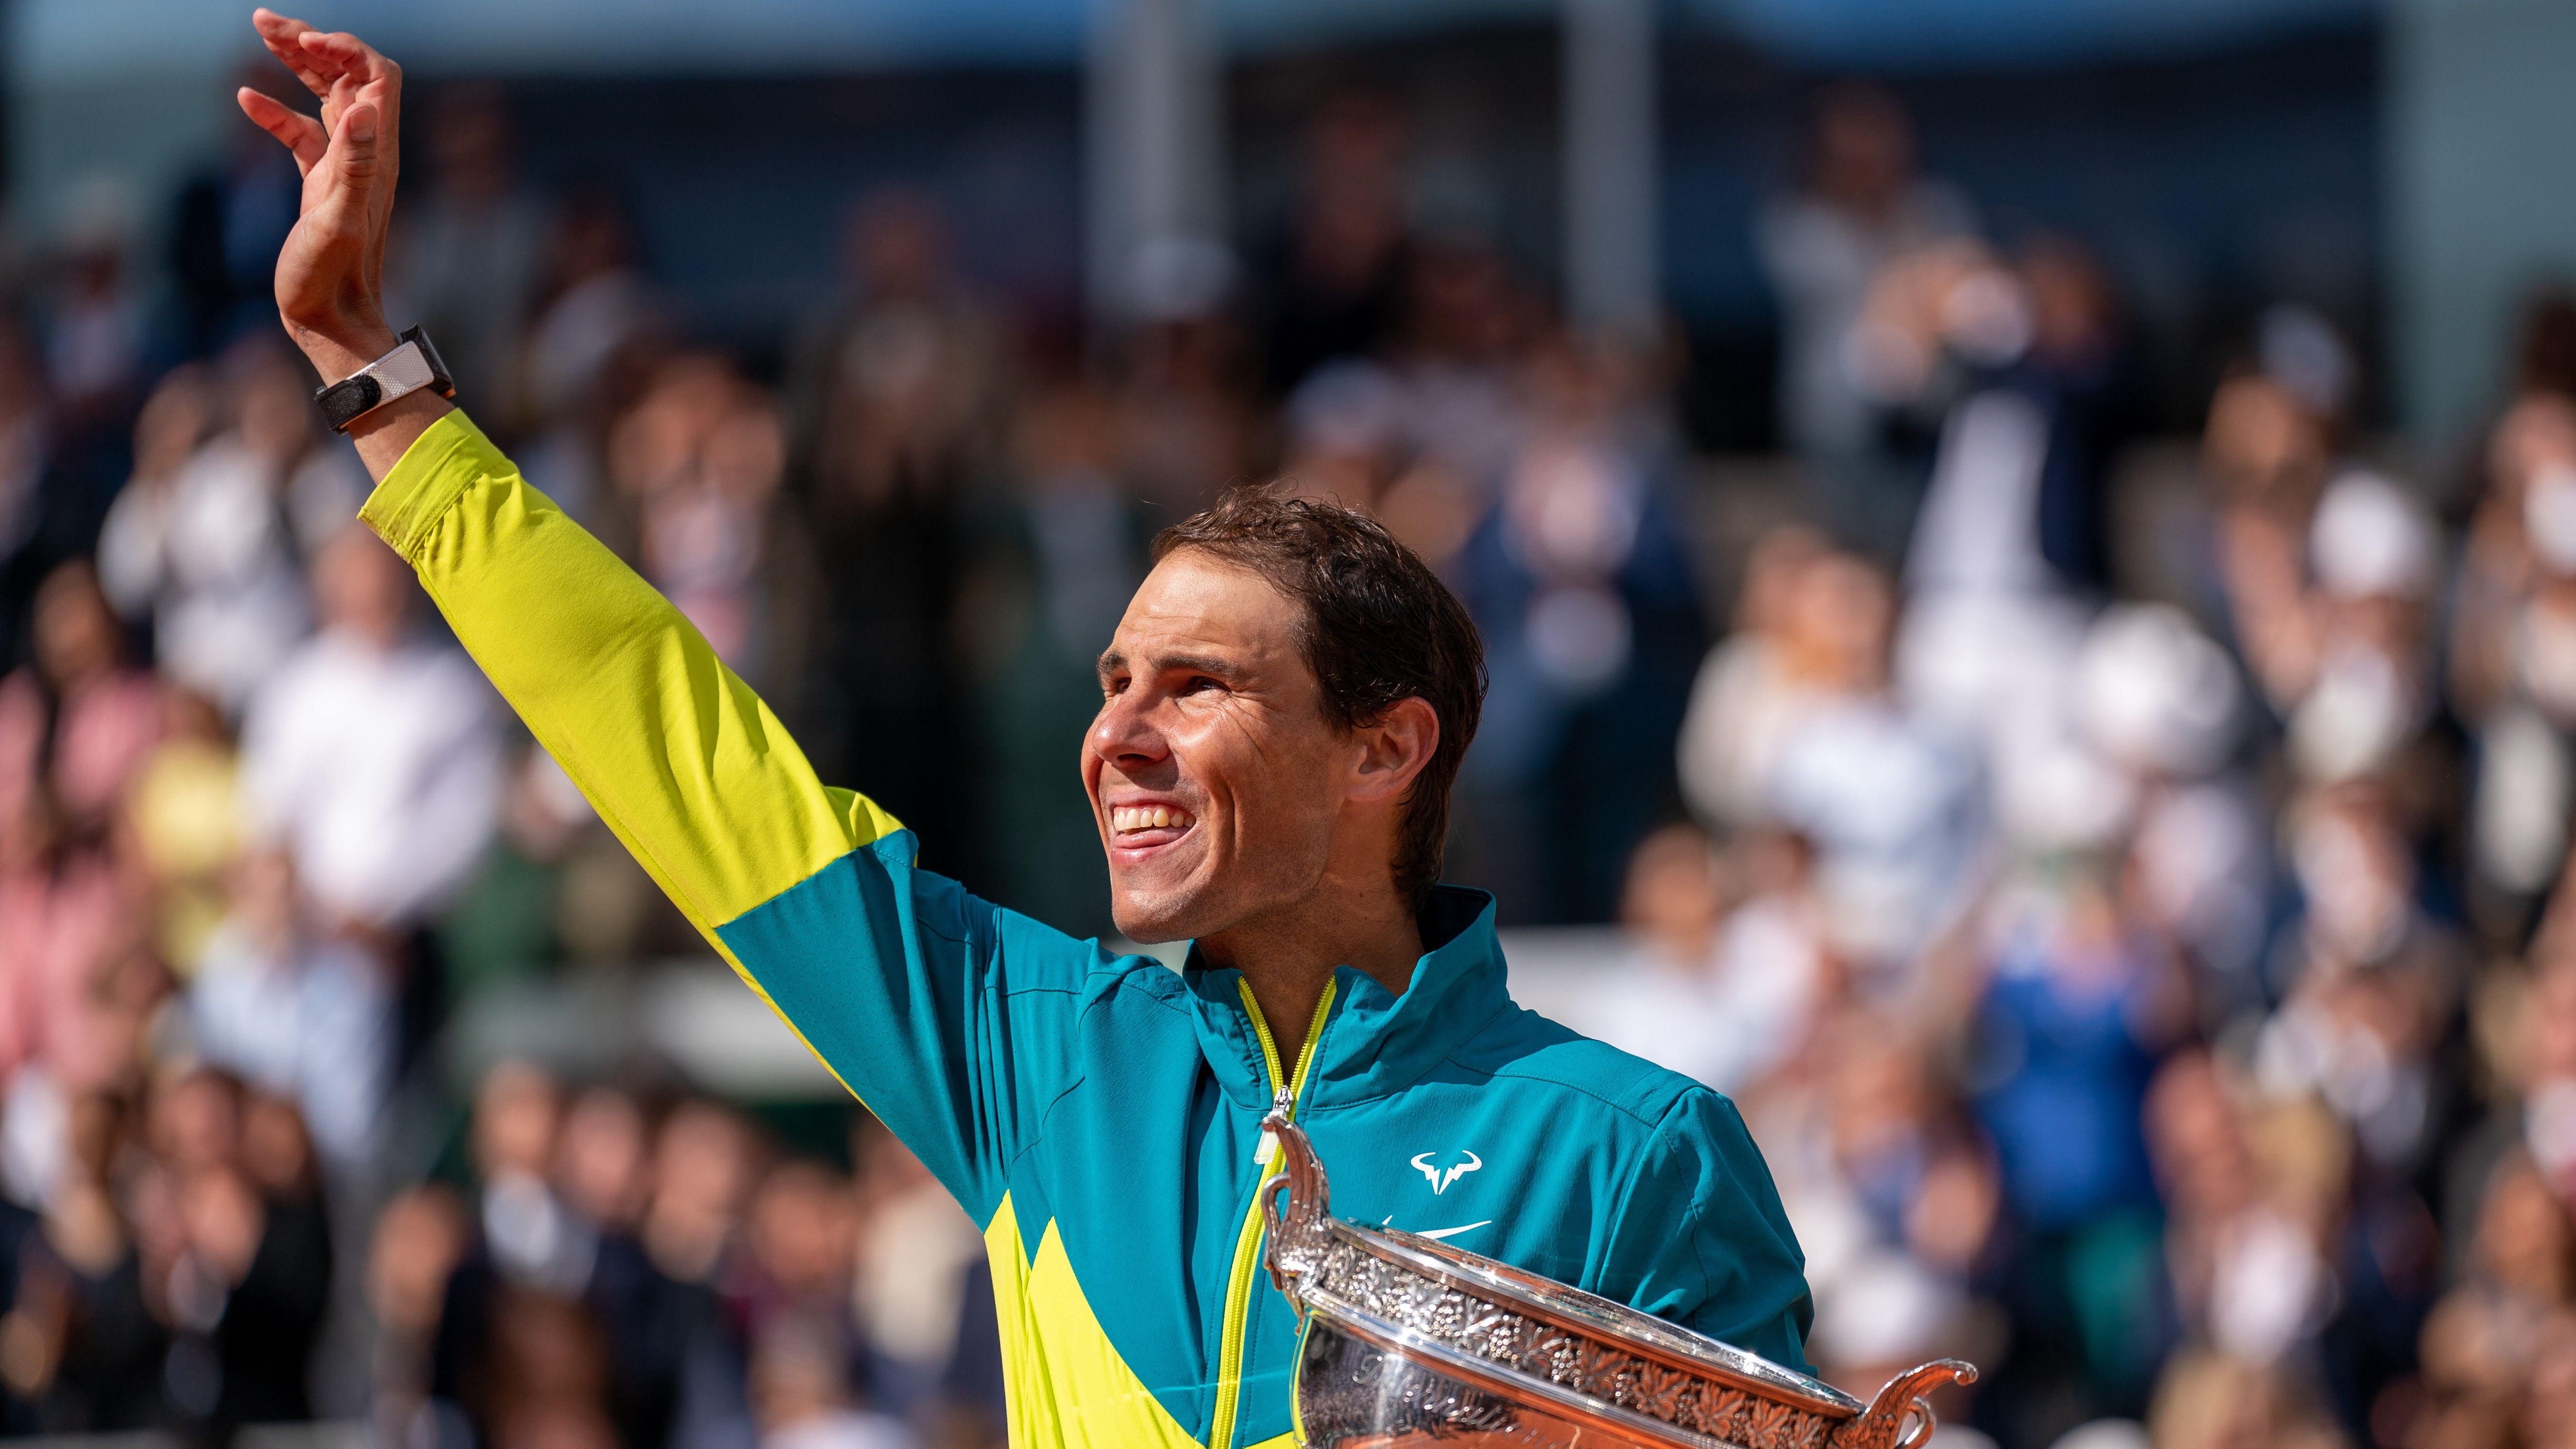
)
(1284, 1104)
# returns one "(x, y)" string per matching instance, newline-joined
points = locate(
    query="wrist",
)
(342, 349)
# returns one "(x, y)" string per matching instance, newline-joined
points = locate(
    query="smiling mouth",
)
(1139, 826)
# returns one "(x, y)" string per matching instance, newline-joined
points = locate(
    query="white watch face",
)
(402, 370)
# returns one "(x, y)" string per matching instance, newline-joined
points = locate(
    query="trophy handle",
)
(1296, 1236)
(1901, 1416)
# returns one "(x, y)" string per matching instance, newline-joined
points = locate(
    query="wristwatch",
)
(407, 369)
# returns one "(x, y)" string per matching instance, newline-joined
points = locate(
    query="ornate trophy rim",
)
(1516, 1335)
(1563, 1306)
(1500, 1380)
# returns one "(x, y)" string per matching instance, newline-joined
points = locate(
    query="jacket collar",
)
(1374, 1041)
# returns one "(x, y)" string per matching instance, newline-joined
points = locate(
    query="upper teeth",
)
(1146, 817)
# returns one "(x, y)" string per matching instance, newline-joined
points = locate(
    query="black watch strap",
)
(412, 365)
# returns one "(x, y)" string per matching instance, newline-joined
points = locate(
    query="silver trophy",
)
(1405, 1342)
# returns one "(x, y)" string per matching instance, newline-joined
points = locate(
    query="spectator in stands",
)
(420, 1235)
(2211, 1400)
(528, 1260)
(95, 315)
(214, 551)
(371, 755)
(1589, 607)
(1468, 324)
(921, 1282)
(675, 1365)
(803, 1396)
(88, 1351)
(1888, 797)
(698, 463)
(2484, 1344)
(2160, 705)
(1757, 686)
(896, 405)
(2076, 1005)
(74, 725)
(298, 1013)
(898, 388)
(1728, 963)
(2513, 637)
(1334, 280)
(600, 1160)
(801, 1233)
(466, 259)
(1893, 1190)
(593, 304)
(1070, 550)
(1189, 410)
(227, 226)
(1861, 205)
(44, 522)
(183, 822)
(252, 1285)
(2021, 359)
(77, 721)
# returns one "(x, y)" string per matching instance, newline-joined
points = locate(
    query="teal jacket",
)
(1098, 1115)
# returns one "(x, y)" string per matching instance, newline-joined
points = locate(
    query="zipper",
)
(1247, 1244)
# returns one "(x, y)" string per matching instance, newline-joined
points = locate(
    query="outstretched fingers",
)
(297, 131)
(344, 57)
(358, 73)
(284, 37)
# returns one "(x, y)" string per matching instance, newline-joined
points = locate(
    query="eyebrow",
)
(1111, 661)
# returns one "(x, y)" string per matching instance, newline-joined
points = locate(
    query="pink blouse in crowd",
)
(67, 916)
(107, 728)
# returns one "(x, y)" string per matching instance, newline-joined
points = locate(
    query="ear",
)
(1394, 749)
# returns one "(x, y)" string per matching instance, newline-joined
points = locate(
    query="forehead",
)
(1196, 603)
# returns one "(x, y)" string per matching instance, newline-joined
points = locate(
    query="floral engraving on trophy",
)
(1395, 1340)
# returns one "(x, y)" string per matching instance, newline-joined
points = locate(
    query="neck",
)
(1287, 956)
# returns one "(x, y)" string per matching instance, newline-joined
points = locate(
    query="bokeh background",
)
(2028, 549)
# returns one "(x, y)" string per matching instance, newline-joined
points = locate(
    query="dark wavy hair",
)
(1379, 627)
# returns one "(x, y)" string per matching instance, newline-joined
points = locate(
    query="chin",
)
(1149, 922)
(1153, 912)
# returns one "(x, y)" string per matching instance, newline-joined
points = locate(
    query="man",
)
(371, 755)
(1284, 708)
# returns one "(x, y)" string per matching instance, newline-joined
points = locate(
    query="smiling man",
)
(1283, 710)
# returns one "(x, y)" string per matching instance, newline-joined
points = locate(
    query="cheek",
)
(1275, 785)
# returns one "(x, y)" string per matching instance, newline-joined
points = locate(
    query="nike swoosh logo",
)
(1436, 1234)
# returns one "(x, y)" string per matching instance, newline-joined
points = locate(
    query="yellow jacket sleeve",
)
(683, 761)
(948, 1016)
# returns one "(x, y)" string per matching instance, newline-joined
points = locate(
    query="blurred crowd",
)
(2124, 901)
(2122, 885)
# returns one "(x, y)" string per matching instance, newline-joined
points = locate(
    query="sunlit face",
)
(1214, 775)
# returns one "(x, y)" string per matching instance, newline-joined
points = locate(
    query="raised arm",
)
(685, 763)
(688, 767)
(896, 979)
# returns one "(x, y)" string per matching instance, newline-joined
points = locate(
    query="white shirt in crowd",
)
(1722, 1022)
(1821, 260)
(311, 1022)
(841, 1429)
(215, 557)
(379, 770)
(1891, 802)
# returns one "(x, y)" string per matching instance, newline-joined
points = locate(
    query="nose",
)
(1125, 732)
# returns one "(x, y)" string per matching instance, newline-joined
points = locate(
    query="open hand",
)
(330, 274)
